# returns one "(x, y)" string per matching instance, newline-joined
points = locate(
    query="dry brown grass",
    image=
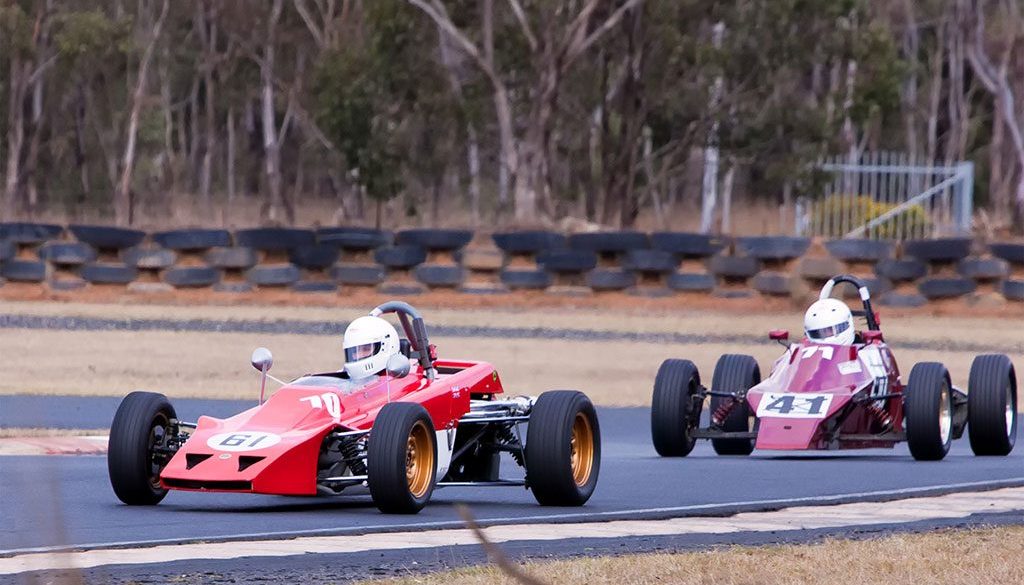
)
(9, 432)
(966, 557)
(216, 365)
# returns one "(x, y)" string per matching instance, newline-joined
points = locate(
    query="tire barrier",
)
(108, 273)
(107, 238)
(274, 239)
(332, 260)
(773, 248)
(23, 270)
(29, 233)
(354, 238)
(231, 258)
(149, 258)
(440, 276)
(528, 241)
(358, 275)
(273, 275)
(192, 240)
(67, 254)
(401, 257)
(315, 256)
(520, 279)
(431, 240)
(192, 277)
(687, 245)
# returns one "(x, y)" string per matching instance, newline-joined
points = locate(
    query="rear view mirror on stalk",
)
(778, 335)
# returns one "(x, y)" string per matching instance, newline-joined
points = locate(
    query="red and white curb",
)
(950, 506)
(82, 445)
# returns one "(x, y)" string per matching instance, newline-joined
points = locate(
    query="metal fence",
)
(886, 195)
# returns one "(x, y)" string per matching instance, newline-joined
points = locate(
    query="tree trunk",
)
(15, 132)
(271, 146)
(122, 195)
(230, 171)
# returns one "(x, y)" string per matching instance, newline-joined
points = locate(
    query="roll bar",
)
(415, 331)
(865, 297)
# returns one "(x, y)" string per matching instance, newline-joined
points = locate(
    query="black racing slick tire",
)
(401, 458)
(928, 409)
(142, 422)
(734, 373)
(563, 449)
(675, 408)
(992, 405)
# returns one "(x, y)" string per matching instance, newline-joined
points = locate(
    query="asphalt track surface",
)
(299, 327)
(56, 502)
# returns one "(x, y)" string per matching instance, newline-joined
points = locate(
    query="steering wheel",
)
(415, 331)
(862, 290)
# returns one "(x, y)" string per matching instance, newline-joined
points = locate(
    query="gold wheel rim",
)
(419, 460)
(582, 449)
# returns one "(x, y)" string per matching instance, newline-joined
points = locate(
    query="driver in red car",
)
(829, 321)
(369, 343)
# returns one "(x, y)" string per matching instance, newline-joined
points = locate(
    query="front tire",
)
(401, 458)
(563, 449)
(928, 407)
(992, 405)
(735, 373)
(675, 411)
(142, 423)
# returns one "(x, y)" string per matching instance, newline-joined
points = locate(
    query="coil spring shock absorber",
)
(722, 412)
(880, 415)
(350, 451)
(504, 435)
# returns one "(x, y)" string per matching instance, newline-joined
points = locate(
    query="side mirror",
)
(398, 366)
(262, 359)
(778, 335)
(871, 336)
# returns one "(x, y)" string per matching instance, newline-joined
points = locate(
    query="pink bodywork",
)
(813, 383)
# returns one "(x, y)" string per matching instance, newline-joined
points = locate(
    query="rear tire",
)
(735, 373)
(142, 420)
(675, 413)
(928, 407)
(563, 449)
(401, 458)
(992, 405)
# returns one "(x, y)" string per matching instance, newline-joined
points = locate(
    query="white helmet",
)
(369, 343)
(829, 321)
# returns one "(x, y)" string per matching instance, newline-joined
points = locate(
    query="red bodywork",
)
(811, 391)
(273, 448)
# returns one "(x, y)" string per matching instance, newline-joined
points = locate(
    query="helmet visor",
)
(361, 352)
(826, 332)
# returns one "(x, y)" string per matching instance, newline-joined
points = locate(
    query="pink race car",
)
(838, 388)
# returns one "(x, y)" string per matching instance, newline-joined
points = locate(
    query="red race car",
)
(836, 389)
(396, 420)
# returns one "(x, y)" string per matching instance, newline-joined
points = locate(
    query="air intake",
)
(247, 461)
(193, 459)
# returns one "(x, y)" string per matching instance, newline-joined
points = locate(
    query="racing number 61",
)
(239, 439)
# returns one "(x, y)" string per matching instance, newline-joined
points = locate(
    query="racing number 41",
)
(794, 405)
(784, 404)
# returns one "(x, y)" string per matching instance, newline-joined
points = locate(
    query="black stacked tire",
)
(402, 435)
(142, 420)
(675, 413)
(563, 449)
(734, 373)
(928, 409)
(992, 405)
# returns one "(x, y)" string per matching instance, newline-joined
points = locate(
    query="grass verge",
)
(947, 557)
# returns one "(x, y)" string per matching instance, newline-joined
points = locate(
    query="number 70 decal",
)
(786, 405)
